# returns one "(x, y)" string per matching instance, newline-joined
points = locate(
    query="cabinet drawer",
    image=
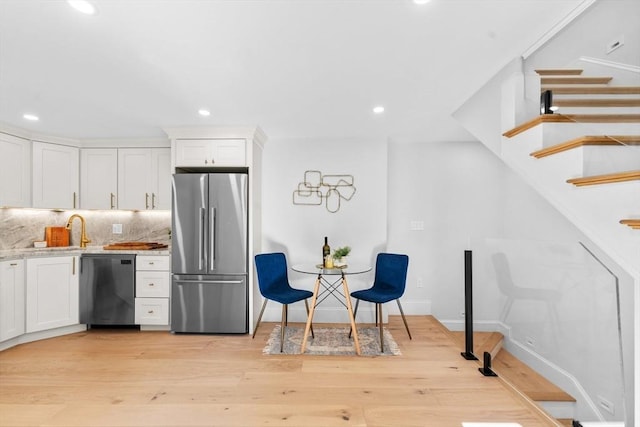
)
(153, 284)
(152, 311)
(211, 152)
(152, 262)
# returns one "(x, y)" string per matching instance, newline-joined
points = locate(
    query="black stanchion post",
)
(486, 369)
(468, 308)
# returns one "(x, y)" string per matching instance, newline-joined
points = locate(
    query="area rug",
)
(332, 341)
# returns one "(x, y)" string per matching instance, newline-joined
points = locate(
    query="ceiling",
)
(296, 68)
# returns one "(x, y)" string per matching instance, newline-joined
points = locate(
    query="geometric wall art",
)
(318, 189)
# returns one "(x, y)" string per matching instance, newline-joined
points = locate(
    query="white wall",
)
(589, 35)
(464, 194)
(298, 231)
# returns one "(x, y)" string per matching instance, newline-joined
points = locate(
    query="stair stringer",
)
(596, 210)
(501, 105)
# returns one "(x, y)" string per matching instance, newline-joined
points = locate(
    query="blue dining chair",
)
(388, 285)
(273, 281)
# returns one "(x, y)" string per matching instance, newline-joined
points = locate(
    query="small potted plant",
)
(340, 256)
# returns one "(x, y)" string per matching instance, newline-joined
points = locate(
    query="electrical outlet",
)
(116, 229)
(419, 283)
(416, 225)
(606, 405)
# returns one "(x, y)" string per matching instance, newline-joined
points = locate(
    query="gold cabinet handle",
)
(74, 199)
(150, 312)
(151, 285)
(146, 200)
(153, 200)
(113, 200)
(73, 266)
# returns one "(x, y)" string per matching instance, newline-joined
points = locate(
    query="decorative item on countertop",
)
(135, 246)
(326, 251)
(56, 236)
(40, 244)
(340, 255)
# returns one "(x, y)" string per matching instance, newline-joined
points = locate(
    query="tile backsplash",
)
(19, 228)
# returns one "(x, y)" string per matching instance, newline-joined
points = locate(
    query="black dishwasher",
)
(107, 289)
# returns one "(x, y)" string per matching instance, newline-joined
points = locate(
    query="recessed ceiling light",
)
(31, 117)
(378, 109)
(421, 1)
(204, 112)
(83, 6)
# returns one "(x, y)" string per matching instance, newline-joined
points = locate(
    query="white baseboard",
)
(41, 335)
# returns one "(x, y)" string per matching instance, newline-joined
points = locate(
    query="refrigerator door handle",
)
(212, 233)
(201, 243)
(230, 282)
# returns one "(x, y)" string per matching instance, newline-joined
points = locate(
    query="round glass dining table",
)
(331, 282)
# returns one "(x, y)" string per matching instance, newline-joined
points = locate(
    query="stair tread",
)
(591, 102)
(606, 178)
(631, 222)
(591, 90)
(589, 140)
(482, 341)
(528, 381)
(516, 372)
(580, 80)
(559, 72)
(572, 118)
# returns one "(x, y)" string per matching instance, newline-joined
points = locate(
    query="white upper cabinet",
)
(210, 152)
(98, 178)
(15, 171)
(161, 176)
(55, 175)
(144, 178)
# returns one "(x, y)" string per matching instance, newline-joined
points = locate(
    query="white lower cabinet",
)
(52, 297)
(153, 288)
(11, 299)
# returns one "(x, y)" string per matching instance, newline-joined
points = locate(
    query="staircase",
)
(585, 158)
(521, 377)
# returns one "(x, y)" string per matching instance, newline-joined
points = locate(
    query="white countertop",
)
(71, 250)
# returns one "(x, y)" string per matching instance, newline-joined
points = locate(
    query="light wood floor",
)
(133, 378)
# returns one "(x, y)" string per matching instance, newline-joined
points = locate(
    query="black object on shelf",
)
(546, 99)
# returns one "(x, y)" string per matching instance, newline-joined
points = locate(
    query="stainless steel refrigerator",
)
(209, 290)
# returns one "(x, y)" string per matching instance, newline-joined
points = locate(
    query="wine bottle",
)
(326, 250)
